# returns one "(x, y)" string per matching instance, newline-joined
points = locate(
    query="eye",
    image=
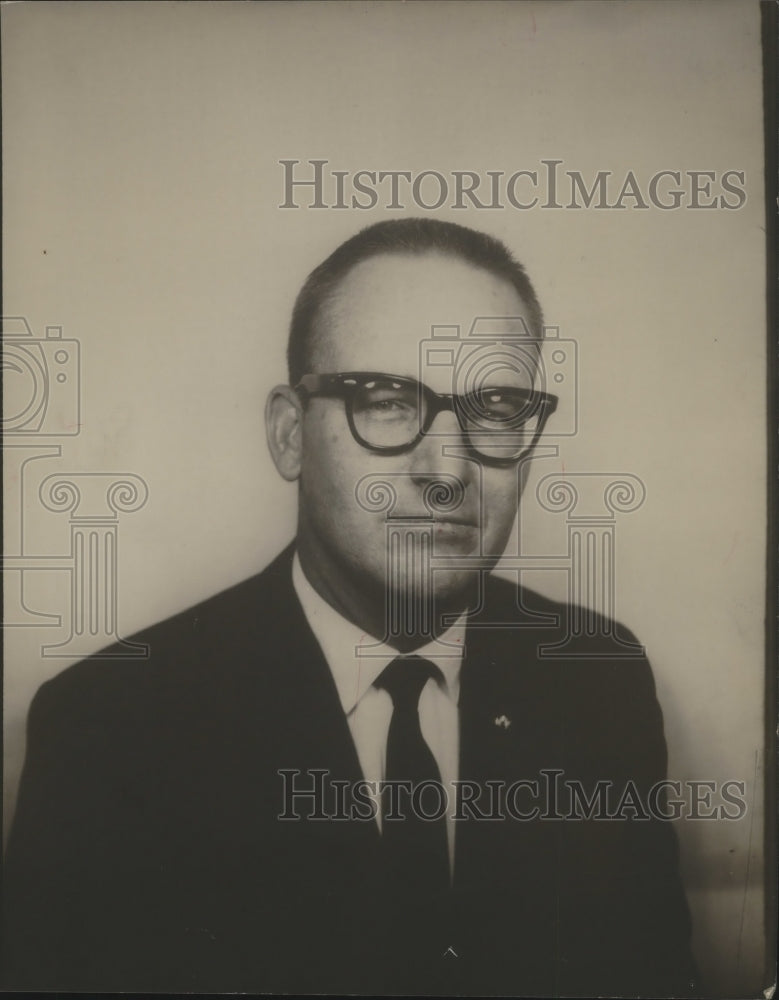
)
(388, 406)
(386, 400)
(505, 405)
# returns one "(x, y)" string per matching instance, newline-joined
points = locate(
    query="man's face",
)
(382, 311)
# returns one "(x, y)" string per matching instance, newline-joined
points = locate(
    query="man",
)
(258, 806)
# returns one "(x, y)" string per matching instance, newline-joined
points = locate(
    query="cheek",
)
(332, 465)
(501, 499)
(324, 427)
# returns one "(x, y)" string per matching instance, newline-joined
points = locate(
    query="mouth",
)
(456, 531)
(461, 522)
(448, 526)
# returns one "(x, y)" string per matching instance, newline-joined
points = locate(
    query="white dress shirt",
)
(356, 659)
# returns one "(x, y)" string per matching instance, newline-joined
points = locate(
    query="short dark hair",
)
(400, 236)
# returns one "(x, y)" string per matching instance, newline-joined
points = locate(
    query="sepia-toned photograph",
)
(385, 435)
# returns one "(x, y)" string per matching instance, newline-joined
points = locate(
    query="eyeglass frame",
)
(335, 385)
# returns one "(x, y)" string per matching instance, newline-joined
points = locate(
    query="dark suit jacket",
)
(146, 852)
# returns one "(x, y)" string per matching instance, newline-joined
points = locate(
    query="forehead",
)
(385, 307)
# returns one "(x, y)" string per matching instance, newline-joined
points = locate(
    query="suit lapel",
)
(311, 716)
(508, 733)
(310, 733)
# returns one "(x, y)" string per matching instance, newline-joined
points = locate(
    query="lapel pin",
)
(503, 720)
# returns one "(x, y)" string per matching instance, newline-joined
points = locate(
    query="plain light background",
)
(141, 191)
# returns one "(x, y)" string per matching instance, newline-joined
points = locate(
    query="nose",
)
(441, 454)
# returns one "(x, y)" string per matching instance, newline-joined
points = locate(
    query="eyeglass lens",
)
(499, 422)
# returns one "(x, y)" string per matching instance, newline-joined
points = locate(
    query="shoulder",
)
(573, 672)
(590, 654)
(183, 652)
(522, 606)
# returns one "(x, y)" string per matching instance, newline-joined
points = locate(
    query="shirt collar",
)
(356, 659)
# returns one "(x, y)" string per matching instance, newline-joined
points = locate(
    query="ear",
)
(284, 430)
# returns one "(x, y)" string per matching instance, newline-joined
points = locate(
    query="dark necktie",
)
(415, 847)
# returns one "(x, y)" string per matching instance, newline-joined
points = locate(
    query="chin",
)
(455, 590)
(443, 588)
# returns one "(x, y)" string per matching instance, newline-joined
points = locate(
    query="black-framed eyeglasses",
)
(389, 414)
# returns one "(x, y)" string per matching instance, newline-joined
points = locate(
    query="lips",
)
(455, 530)
(442, 524)
(455, 521)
